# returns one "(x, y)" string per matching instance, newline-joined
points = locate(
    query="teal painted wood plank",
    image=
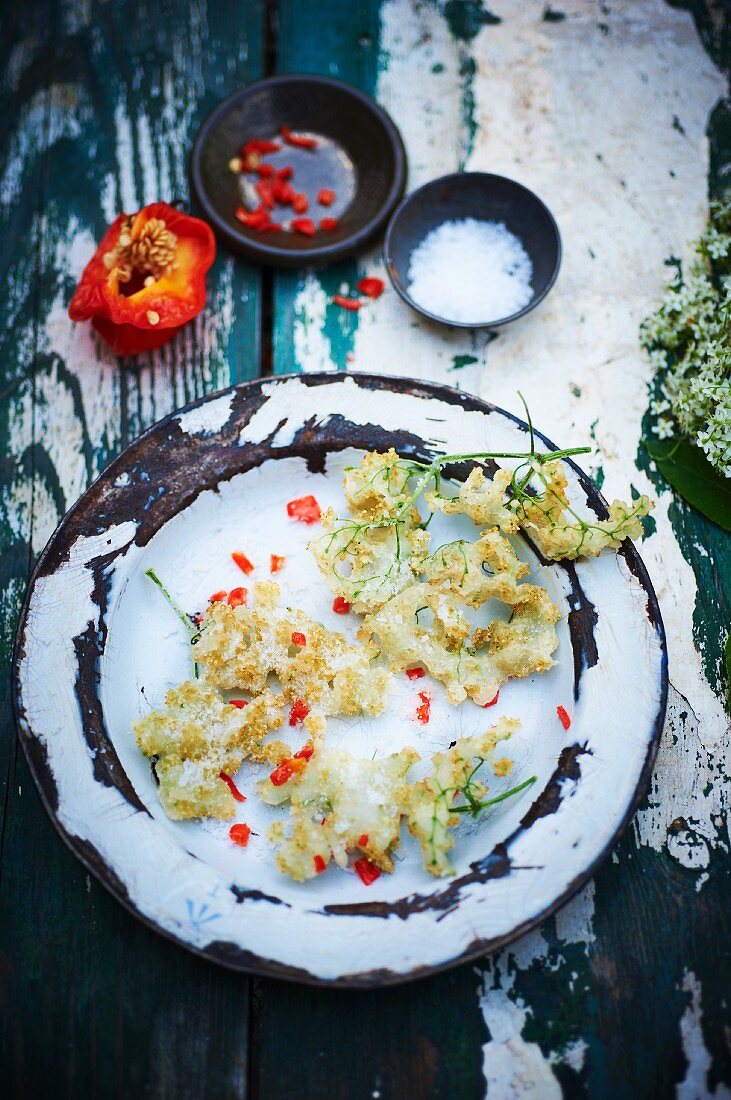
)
(94, 1004)
(343, 45)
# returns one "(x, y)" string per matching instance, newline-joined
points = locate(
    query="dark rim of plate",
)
(224, 952)
(326, 252)
(400, 286)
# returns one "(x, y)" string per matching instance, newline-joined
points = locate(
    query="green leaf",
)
(685, 467)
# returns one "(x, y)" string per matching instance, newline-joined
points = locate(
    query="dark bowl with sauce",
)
(359, 155)
(485, 197)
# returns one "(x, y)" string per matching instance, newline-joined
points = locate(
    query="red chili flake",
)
(242, 561)
(325, 196)
(266, 171)
(265, 192)
(329, 224)
(492, 702)
(300, 203)
(197, 618)
(415, 673)
(237, 597)
(298, 712)
(299, 140)
(304, 753)
(284, 173)
(341, 605)
(347, 303)
(260, 145)
(276, 562)
(306, 226)
(368, 871)
(563, 717)
(372, 288)
(252, 219)
(217, 596)
(283, 192)
(240, 834)
(232, 787)
(284, 772)
(238, 703)
(423, 711)
(304, 509)
(298, 638)
(320, 864)
(363, 841)
(270, 227)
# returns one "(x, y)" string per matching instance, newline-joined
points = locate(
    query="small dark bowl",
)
(486, 197)
(360, 156)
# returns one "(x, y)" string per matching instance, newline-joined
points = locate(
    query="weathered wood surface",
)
(602, 109)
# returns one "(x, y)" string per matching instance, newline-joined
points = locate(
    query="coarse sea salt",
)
(470, 271)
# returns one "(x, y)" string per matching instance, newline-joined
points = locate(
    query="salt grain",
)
(470, 271)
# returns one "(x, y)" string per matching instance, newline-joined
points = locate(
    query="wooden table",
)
(602, 109)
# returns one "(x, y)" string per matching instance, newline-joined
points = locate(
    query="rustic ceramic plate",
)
(98, 646)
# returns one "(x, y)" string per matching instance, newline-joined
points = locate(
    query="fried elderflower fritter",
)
(434, 803)
(195, 738)
(338, 804)
(480, 499)
(561, 533)
(239, 648)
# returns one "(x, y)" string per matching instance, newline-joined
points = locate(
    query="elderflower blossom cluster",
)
(688, 341)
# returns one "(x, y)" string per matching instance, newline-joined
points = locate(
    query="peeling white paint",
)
(694, 1085)
(207, 418)
(513, 1068)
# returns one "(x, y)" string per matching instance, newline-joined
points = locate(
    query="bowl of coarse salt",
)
(473, 250)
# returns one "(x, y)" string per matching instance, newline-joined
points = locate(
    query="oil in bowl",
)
(472, 250)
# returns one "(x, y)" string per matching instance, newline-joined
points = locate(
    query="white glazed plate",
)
(98, 647)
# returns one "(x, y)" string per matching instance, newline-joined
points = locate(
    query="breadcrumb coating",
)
(195, 738)
(240, 648)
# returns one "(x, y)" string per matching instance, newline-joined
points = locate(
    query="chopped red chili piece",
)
(423, 711)
(266, 171)
(299, 140)
(285, 173)
(276, 562)
(492, 702)
(320, 864)
(237, 597)
(368, 871)
(260, 145)
(265, 192)
(372, 288)
(298, 638)
(415, 673)
(300, 203)
(298, 712)
(328, 224)
(282, 773)
(341, 605)
(217, 596)
(232, 787)
(253, 219)
(352, 304)
(305, 509)
(325, 196)
(563, 717)
(283, 192)
(270, 227)
(306, 226)
(304, 753)
(240, 834)
(242, 561)
(363, 841)
(238, 703)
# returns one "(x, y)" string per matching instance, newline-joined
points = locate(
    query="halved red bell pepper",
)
(146, 279)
